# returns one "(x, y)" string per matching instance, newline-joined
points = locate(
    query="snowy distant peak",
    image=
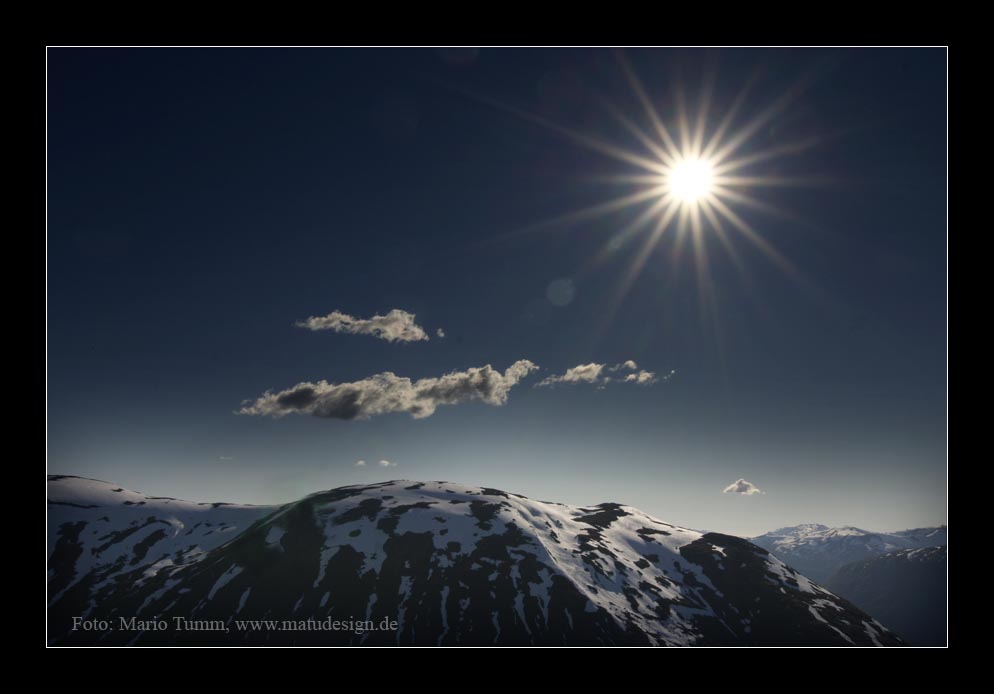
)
(818, 551)
(847, 531)
(452, 564)
(816, 531)
(807, 530)
(797, 529)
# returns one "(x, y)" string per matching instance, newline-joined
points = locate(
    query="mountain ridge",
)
(450, 564)
(818, 550)
(905, 589)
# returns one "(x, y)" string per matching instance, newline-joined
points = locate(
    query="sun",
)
(688, 183)
(690, 180)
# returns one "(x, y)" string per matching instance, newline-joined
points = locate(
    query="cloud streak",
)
(584, 373)
(395, 326)
(744, 487)
(600, 375)
(386, 392)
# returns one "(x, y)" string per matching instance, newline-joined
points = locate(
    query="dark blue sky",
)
(201, 201)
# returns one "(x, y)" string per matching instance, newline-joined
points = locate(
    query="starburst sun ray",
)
(688, 177)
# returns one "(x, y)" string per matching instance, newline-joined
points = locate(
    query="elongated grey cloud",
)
(396, 326)
(387, 392)
(600, 375)
(741, 486)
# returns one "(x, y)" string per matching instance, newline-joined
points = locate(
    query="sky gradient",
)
(201, 202)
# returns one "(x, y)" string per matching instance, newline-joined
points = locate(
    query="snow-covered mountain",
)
(906, 590)
(102, 537)
(923, 537)
(818, 551)
(417, 563)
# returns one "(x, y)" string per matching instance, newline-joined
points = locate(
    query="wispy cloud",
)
(387, 463)
(386, 392)
(395, 326)
(600, 375)
(741, 486)
(584, 373)
(359, 463)
(440, 333)
(645, 378)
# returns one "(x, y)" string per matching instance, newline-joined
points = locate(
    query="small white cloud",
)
(387, 463)
(600, 375)
(741, 486)
(642, 378)
(440, 333)
(395, 326)
(359, 463)
(584, 373)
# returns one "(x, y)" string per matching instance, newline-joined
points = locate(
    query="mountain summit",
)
(417, 563)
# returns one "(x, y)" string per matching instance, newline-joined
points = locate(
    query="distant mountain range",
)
(899, 578)
(417, 563)
(906, 590)
(818, 551)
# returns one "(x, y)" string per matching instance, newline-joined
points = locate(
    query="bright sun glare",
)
(690, 180)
